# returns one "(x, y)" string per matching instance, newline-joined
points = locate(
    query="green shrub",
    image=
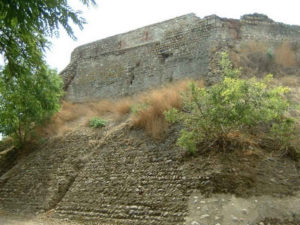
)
(270, 53)
(234, 105)
(97, 122)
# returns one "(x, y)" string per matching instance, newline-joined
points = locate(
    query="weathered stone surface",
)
(125, 177)
(229, 210)
(153, 55)
(121, 176)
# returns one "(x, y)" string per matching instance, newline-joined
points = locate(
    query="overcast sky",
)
(112, 17)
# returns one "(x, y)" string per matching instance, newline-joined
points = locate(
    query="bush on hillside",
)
(97, 122)
(212, 115)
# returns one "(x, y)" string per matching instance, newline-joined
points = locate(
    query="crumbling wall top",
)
(145, 35)
(256, 18)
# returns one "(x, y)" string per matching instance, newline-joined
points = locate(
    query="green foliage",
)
(233, 105)
(29, 91)
(284, 132)
(27, 101)
(270, 53)
(25, 25)
(97, 122)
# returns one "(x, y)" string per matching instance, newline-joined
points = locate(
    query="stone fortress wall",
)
(164, 52)
(120, 176)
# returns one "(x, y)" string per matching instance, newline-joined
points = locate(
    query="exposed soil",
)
(245, 173)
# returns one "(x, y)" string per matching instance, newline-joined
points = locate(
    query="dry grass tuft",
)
(151, 117)
(123, 106)
(254, 46)
(285, 56)
(289, 80)
(73, 115)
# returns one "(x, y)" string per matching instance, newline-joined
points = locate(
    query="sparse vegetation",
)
(212, 117)
(149, 113)
(97, 122)
(146, 110)
(284, 55)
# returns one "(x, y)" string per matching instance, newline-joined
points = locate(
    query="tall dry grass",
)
(73, 115)
(254, 46)
(151, 117)
(284, 55)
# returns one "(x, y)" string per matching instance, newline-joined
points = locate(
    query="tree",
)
(28, 101)
(29, 90)
(25, 26)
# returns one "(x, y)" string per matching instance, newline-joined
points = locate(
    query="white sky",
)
(112, 17)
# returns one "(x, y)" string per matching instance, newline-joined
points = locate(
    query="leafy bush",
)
(211, 115)
(97, 122)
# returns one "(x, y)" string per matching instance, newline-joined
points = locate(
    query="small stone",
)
(204, 216)
(261, 223)
(195, 223)
(218, 224)
(235, 219)
(217, 218)
(203, 202)
(195, 201)
(244, 211)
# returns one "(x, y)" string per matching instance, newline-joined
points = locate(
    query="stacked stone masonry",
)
(164, 52)
(129, 178)
(124, 181)
(124, 177)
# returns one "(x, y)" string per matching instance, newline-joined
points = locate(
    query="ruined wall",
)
(178, 48)
(141, 59)
(124, 177)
